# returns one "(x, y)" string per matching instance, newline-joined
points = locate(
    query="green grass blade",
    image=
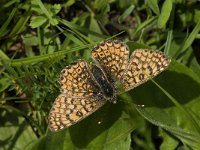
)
(184, 110)
(7, 22)
(165, 13)
(189, 40)
(153, 4)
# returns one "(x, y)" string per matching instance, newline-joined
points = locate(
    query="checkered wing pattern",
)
(78, 99)
(76, 80)
(143, 65)
(84, 90)
(67, 111)
(112, 56)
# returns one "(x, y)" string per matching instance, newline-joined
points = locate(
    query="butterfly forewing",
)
(76, 80)
(144, 64)
(112, 56)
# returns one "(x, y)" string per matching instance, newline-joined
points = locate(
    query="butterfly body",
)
(106, 87)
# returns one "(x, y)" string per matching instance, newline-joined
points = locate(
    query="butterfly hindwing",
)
(67, 111)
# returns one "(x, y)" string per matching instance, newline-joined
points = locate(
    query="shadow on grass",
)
(90, 128)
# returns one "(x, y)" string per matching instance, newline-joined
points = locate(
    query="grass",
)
(39, 38)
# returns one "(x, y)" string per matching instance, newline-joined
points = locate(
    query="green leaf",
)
(69, 3)
(30, 39)
(15, 132)
(126, 13)
(168, 141)
(37, 21)
(191, 37)
(168, 42)
(3, 56)
(6, 23)
(165, 13)
(100, 4)
(54, 9)
(20, 25)
(146, 23)
(94, 26)
(154, 6)
(4, 83)
(48, 13)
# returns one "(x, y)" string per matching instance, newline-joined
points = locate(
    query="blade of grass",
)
(189, 40)
(126, 13)
(81, 29)
(45, 11)
(184, 110)
(192, 36)
(7, 22)
(166, 122)
(144, 24)
(21, 23)
(35, 59)
(170, 33)
(3, 56)
(153, 4)
(165, 13)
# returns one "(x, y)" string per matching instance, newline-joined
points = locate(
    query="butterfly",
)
(87, 87)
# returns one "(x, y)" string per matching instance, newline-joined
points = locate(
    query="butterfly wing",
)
(112, 56)
(67, 111)
(143, 65)
(76, 80)
(79, 96)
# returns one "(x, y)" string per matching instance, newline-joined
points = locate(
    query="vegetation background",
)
(39, 38)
